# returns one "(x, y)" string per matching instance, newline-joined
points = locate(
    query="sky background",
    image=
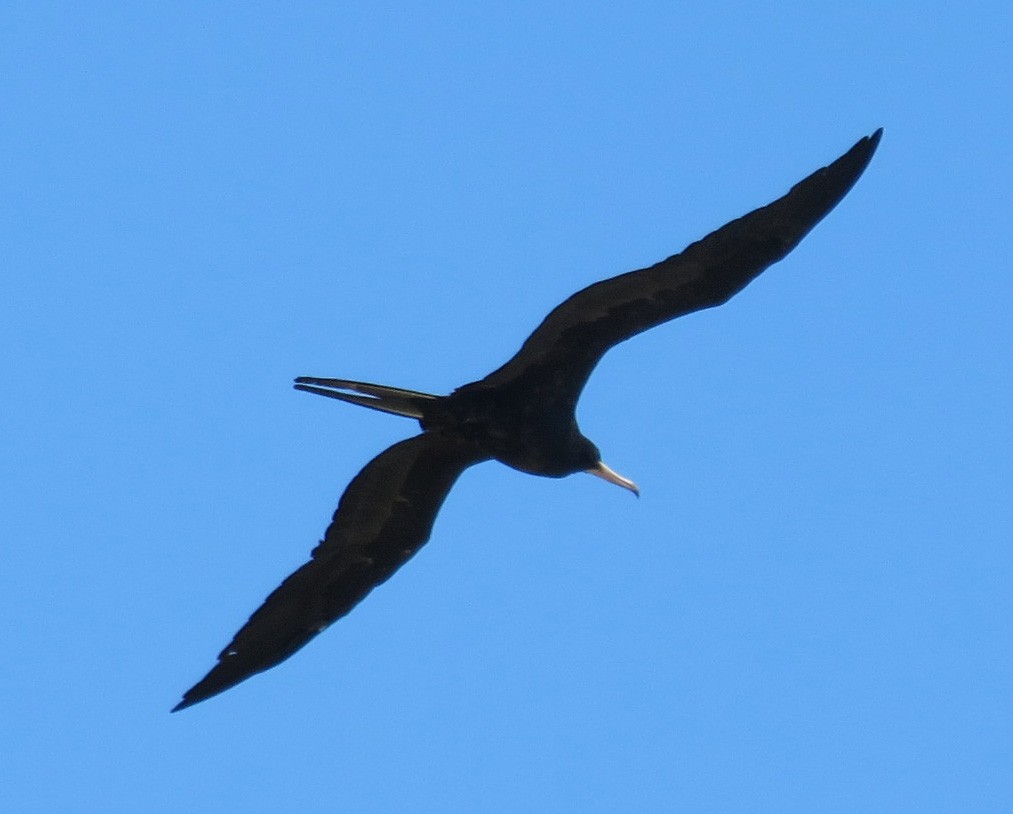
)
(808, 609)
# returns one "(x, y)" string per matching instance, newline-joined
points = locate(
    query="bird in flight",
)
(521, 414)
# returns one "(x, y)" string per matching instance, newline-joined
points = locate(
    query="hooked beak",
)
(612, 476)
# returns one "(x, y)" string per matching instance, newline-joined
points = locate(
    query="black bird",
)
(521, 414)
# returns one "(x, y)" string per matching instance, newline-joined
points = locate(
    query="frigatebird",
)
(521, 414)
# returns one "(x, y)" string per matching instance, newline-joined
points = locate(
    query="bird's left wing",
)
(561, 353)
(385, 515)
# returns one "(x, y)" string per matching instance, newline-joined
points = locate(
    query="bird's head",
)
(591, 462)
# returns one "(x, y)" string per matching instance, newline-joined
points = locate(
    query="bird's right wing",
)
(385, 515)
(561, 353)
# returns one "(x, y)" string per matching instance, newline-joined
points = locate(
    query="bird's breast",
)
(517, 432)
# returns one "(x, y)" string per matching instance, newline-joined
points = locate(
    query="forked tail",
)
(393, 400)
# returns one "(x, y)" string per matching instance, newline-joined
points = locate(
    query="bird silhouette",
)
(521, 414)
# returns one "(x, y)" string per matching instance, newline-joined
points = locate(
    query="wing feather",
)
(385, 515)
(570, 341)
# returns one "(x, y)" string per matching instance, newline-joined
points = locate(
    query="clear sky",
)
(808, 609)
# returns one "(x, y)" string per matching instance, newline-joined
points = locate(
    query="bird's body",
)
(522, 414)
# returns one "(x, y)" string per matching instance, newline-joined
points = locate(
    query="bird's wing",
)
(561, 353)
(385, 515)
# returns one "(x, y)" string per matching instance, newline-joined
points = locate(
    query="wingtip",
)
(219, 679)
(191, 697)
(863, 151)
(207, 687)
(196, 694)
(866, 146)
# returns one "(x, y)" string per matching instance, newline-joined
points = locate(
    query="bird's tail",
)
(396, 400)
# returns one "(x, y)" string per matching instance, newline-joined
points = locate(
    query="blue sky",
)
(809, 607)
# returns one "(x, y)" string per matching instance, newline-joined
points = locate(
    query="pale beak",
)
(612, 476)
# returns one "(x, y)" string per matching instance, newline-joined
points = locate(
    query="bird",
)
(522, 414)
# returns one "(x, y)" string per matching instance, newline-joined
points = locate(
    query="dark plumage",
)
(521, 414)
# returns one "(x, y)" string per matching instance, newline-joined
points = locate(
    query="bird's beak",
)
(612, 476)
